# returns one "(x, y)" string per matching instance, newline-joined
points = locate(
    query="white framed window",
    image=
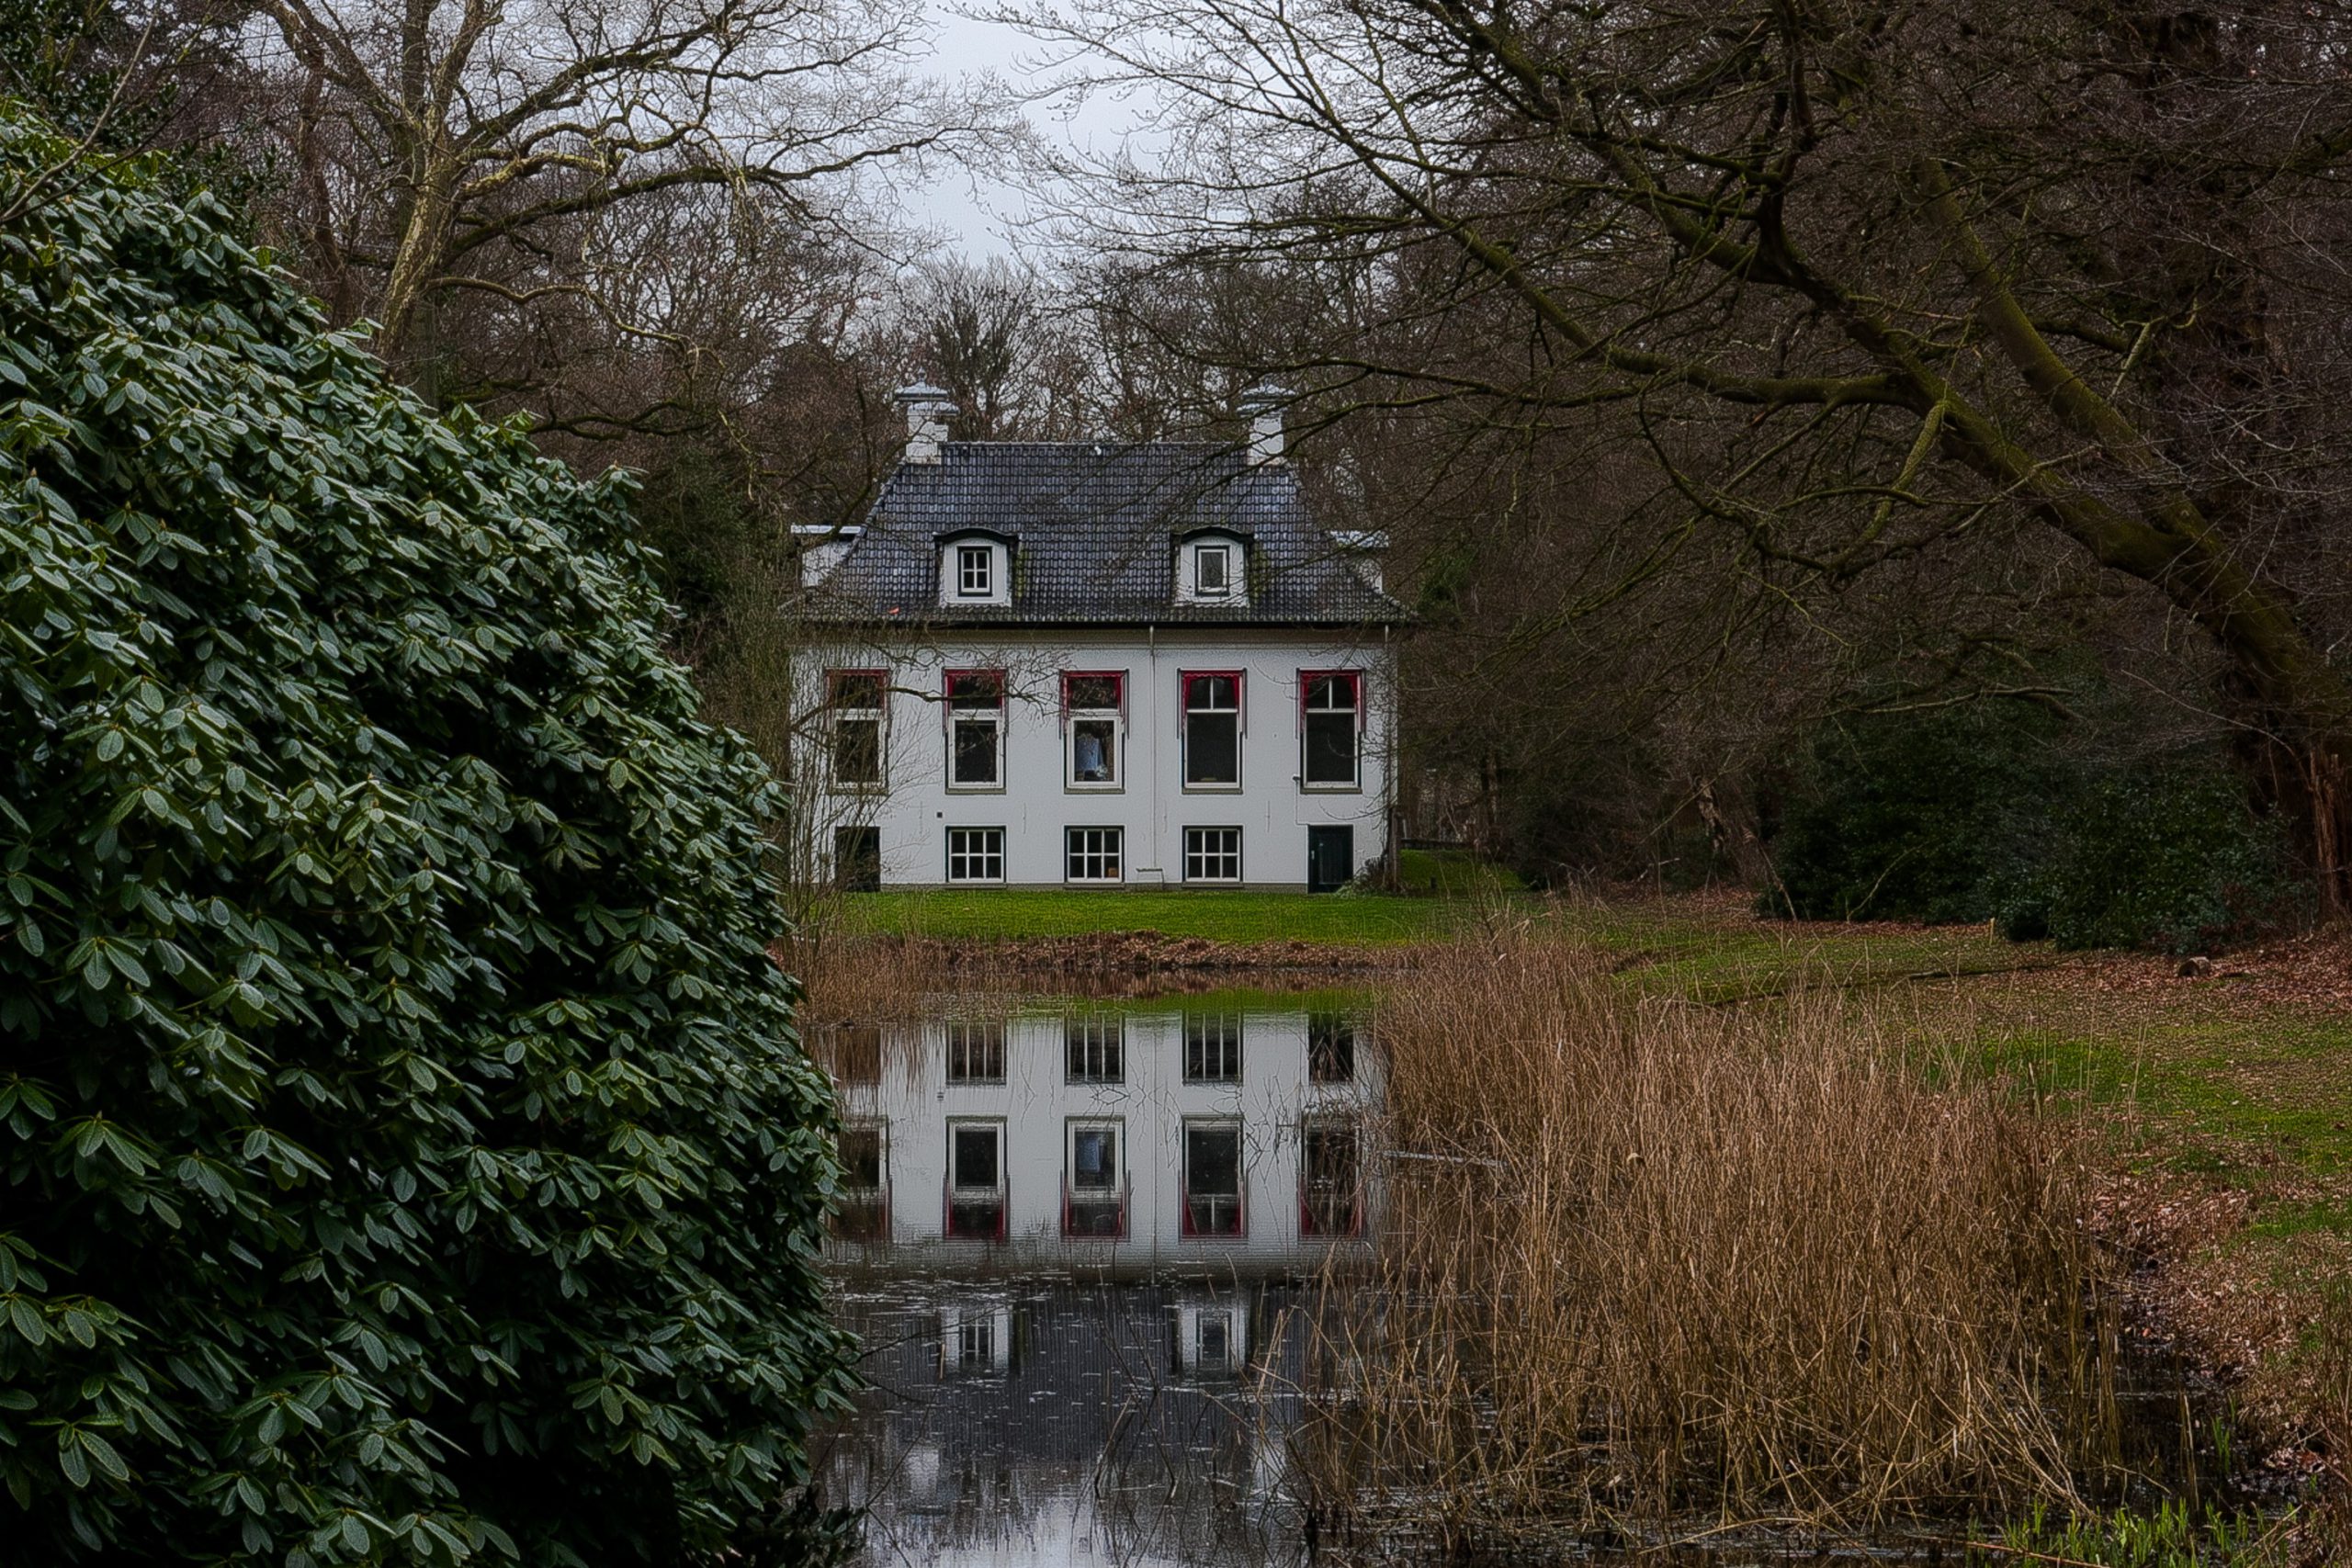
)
(854, 709)
(1330, 1048)
(1330, 728)
(1212, 730)
(1094, 1049)
(974, 854)
(1094, 854)
(1094, 708)
(1212, 1047)
(1213, 1342)
(1212, 1177)
(1330, 1179)
(1212, 854)
(976, 1184)
(975, 571)
(1095, 1179)
(975, 1051)
(1213, 570)
(976, 729)
(978, 1340)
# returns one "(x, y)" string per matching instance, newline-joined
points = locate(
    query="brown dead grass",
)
(1654, 1256)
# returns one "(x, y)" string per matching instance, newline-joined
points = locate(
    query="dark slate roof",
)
(1094, 526)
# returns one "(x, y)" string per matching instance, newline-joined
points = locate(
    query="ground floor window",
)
(1095, 854)
(1213, 1179)
(1212, 1047)
(1329, 1177)
(975, 1051)
(1095, 1050)
(1212, 854)
(857, 859)
(975, 854)
(1094, 1199)
(976, 1188)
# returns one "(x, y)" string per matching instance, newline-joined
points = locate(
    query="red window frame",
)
(1069, 676)
(1354, 677)
(835, 678)
(948, 678)
(1240, 692)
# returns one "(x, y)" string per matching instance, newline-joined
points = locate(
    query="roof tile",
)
(1095, 525)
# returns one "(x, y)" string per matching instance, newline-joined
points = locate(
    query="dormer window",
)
(1213, 568)
(975, 569)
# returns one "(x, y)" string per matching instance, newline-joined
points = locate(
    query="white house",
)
(1098, 664)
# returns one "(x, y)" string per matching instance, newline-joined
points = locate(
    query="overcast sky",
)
(980, 212)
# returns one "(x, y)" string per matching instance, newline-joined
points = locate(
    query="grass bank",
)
(1346, 919)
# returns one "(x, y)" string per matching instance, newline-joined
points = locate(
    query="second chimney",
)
(928, 414)
(1263, 405)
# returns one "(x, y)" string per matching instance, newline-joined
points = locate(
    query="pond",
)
(1090, 1247)
(1080, 1247)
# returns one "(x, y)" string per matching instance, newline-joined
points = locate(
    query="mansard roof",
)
(1094, 528)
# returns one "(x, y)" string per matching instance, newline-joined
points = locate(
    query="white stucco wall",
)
(915, 807)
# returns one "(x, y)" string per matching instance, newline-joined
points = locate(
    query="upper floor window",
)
(1094, 718)
(1212, 571)
(976, 729)
(1213, 731)
(975, 571)
(1332, 725)
(854, 716)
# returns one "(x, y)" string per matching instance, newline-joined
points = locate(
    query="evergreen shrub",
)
(1999, 812)
(405, 1153)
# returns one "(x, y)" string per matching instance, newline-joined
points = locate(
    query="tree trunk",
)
(410, 338)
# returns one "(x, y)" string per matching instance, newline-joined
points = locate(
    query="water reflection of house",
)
(1105, 1423)
(1228, 1141)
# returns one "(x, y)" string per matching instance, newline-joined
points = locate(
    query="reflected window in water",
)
(975, 1189)
(1331, 1176)
(1095, 1195)
(1095, 1049)
(975, 1051)
(864, 1212)
(1213, 1179)
(1215, 1349)
(1330, 1048)
(976, 1340)
(1212, 1048)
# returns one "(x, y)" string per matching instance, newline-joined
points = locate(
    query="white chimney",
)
(928, 413)
(1262, 406)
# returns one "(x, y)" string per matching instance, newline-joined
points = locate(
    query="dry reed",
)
(1641, 1258)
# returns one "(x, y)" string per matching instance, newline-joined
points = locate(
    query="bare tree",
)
(498, 148)
(1865, 285)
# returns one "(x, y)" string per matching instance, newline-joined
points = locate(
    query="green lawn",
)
(1351, 920)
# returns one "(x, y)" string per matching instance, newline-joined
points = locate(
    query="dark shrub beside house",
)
(2004, 812)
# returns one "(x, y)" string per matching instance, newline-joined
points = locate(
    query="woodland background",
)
(1890, 457)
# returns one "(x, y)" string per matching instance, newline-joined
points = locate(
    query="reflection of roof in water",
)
(1092, 1419)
